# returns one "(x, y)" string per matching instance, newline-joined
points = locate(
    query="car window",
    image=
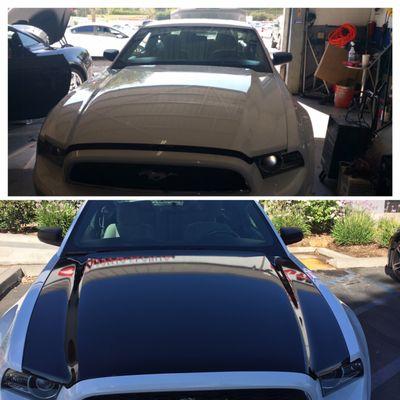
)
(171, 224)
(83, 29)
(26, 40)
(114, 32)
(221, 46)
(106, 31)
(102, 30)
(13, 44)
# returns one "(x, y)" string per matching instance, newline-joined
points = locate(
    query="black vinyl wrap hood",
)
(132, 315)
(53, 21)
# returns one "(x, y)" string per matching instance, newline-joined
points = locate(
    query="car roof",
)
(92, 24)
(200, 22)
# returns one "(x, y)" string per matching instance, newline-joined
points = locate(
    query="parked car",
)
(39, 75)
(126, 28)
(194, 299)
(186, 108)
(245, 144)
(96, 37)
(393, 265)
(236, 14)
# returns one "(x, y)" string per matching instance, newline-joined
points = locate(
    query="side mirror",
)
(281, 57)
(291, 235)
(51, 236)
(120, 36)
(46, 40)
(110, 54)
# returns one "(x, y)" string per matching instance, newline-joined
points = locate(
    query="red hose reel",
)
(342, 35)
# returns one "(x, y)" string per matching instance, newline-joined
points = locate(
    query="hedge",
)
(22, 215)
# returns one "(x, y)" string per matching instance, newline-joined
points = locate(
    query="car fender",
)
(14, 323)
(362, 340)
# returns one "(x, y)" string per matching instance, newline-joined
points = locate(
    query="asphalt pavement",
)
(373, 296)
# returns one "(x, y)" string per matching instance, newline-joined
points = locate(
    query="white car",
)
(128, 29)
(188, 107)
(179, 300)
(96, 37)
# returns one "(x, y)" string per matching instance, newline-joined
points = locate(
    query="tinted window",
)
(107, 31)
(83, 29)
(26, 40)
(13, 43)
(221, 46)
(171, 224)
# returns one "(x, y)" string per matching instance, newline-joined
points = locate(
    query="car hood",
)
(133, 314)
(53, 21)
(200, 106)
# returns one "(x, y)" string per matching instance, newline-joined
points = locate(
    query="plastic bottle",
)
(352, 53)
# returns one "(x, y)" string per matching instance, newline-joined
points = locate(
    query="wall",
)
(338, 16)
(295, 46)
(379, 16)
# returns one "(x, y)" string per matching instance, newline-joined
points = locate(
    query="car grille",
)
(245, 394)
(165, 178)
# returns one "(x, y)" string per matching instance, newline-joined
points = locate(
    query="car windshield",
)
(161, 224)
(199, 45)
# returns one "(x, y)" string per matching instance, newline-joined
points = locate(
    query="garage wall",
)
(337, 16)
(379, 16)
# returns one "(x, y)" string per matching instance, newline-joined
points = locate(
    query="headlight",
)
(50, 151)
(29, 384)
(276, 163)
(341, 376)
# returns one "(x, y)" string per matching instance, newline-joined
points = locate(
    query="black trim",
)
(235, 394)
(160, 147)
(165, 178)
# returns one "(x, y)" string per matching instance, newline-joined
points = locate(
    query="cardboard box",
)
(332, 70)
(351, 186)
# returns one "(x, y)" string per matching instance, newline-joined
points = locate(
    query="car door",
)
(35, 83)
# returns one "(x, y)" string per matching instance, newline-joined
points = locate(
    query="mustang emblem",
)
(156, 176)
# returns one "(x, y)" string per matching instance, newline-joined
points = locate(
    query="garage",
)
(339, 70)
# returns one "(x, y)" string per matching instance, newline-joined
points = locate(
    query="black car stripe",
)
(168, 317)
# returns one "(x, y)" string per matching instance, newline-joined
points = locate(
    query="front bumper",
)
(50, 179)
(190, 382)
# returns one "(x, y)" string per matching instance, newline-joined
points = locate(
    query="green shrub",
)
(15, 216)
(159, 15)
(355, 228)
(385, 230)
(292, 220)
(316, 216)
(56, 214)
(321, 214)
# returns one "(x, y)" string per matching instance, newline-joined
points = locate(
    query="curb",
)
(30, 270)
(340, 260)
(9, 278)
